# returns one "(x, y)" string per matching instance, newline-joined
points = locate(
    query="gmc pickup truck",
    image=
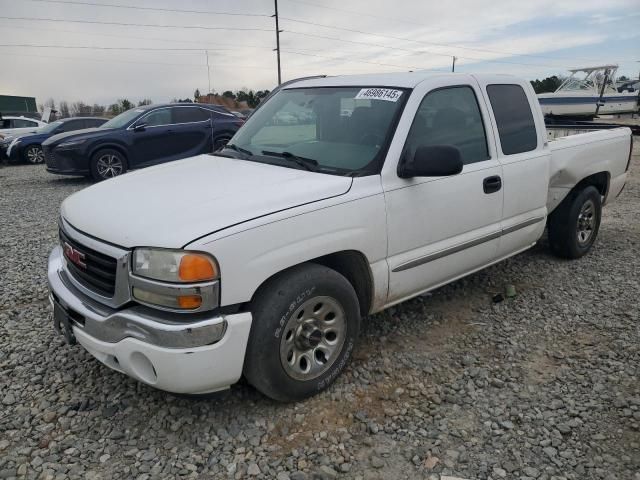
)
(262, 259)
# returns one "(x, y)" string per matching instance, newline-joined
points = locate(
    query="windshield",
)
(339, 130)
(50, 127)
(123, 119)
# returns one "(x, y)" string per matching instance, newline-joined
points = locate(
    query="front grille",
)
(49, 156)
(99, 272)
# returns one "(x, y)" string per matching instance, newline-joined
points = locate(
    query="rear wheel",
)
(107, 163)
(574, 224)
(34, 154)
(305, 325)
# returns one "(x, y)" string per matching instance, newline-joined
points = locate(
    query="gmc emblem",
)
(74, 256)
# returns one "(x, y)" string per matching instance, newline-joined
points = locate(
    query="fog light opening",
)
(143, 368)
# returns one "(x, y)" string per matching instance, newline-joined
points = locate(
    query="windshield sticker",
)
(379, 94)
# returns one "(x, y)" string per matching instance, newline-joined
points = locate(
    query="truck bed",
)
(578, 153)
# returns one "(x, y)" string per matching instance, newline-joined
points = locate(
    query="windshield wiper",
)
(236, 148)
(306, 163)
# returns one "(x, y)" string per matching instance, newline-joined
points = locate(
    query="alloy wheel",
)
(35, 155)
(109, 166)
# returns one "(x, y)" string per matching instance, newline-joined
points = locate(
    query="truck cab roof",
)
(402, 80)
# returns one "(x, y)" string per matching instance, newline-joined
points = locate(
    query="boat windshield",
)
(590, 80)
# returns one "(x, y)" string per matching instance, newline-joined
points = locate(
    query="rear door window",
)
(21, 123)
(93, 122)
(450, 116)
(71, 125)
(516, 127)
(189, 115)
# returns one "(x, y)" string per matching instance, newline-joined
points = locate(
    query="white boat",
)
(588, 92)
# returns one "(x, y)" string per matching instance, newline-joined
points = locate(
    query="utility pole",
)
(453, 65)
(277, 49)
(206, 52)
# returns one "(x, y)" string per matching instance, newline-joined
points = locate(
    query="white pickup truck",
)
(338, 198)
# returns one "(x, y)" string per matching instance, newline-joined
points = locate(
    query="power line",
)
(417, 51)
(88, 47)
(77, 32)
(154, 25)
(403, 39)
(135, 62)
(404, 67)
(368, 44)
(359, 13)
(156, 9)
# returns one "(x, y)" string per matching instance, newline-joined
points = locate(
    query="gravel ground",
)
(544, 385)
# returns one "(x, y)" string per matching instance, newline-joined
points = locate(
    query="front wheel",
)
(305, 325)
(33, 154)
(107, 163)
(574, 224)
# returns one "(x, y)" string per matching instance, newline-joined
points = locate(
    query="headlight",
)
(14, 143)
(177, 280)
(177, 266)
(72, 143)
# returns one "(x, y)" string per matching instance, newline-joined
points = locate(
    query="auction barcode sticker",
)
(387, 94)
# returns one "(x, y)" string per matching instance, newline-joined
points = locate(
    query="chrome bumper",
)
(163, 329)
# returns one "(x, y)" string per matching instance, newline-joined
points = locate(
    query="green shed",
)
(10, 103)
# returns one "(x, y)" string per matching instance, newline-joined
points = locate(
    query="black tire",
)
(107, 163)
(33, 154)
(274, 307)
(568, 223)
(220, 141)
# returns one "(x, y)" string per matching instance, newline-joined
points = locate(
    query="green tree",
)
(125, 104)
(146, 101)
(549, 84)
(196, 94)
(228, 94)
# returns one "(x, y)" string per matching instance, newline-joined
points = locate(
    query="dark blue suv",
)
(141, 137)
(28, 146)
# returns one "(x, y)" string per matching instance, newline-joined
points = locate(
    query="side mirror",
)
(140, 127)
(432, 161)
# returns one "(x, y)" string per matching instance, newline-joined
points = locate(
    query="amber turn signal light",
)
(190, 301)
(196, 268)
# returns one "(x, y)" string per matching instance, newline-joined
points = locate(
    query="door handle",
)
(492, 184)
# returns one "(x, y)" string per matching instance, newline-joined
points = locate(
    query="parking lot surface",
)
(543, 385)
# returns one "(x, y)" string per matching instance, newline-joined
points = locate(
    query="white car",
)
(12, 126)
(263, 259)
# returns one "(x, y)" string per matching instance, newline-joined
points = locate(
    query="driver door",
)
(441, 228)
(152, 141)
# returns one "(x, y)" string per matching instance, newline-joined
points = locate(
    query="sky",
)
(159, 53)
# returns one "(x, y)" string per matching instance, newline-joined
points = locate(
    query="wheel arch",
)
(599, 180)
(21, 150)
(113, 146)
(351, 264)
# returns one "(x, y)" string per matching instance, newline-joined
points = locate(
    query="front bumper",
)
(65, 162)
(174, 352)
(10, 155)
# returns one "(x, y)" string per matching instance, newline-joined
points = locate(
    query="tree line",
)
(66, 109)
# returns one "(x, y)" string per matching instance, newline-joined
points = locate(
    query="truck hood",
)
(173, 204)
